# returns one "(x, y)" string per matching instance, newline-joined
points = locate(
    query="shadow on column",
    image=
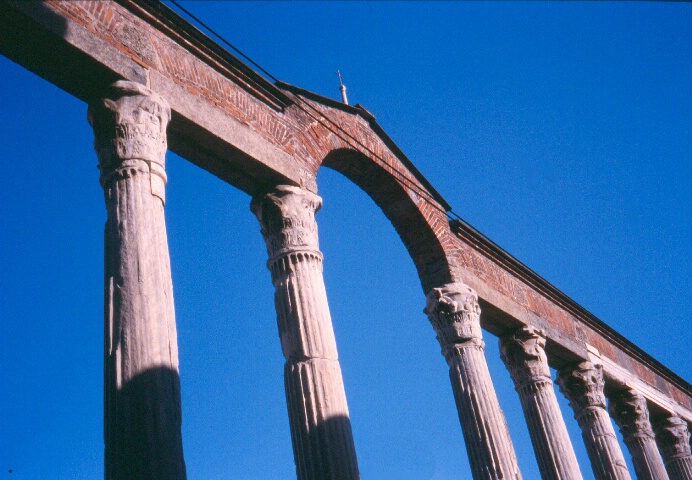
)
(143, 434)
(321, 459)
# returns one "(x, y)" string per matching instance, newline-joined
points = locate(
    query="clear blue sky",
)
(560, 130)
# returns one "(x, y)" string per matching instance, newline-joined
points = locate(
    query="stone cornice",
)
(275, 96)
(252, 159)
(183, 32)
(521, 272)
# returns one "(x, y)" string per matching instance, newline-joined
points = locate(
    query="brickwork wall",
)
(361, 155)
(557, 320)
(203, 76)
(312, 134)
(305, 130)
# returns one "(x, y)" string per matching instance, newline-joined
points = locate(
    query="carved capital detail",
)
(454, 313)
(630, 411)
(673, 438)
(523, 353)
(583, 386)
(287, 218)
(130, 124)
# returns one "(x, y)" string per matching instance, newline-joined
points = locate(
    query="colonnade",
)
(142, 387)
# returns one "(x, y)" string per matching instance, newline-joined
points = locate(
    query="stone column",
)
(454, 313)
(673, 438)
(524, 355)
(142, 385)
(629, 410)
(583, 387)
(320, 427)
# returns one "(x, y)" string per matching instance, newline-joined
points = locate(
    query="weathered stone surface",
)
(524, 355)
(630, 411)
(583, 384)
(673, 438)
(318, 413)
(455, 315)
(251, 133)
(142, 384)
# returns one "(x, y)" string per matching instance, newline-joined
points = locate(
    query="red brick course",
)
(313, 134)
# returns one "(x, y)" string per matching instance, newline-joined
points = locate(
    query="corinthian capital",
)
(524, 355)
(630, 411)
(287, 217)
(583, 386)
(129, 124)
(454, 313)
(673, 437)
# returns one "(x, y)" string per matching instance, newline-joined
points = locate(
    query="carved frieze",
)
(454, 313)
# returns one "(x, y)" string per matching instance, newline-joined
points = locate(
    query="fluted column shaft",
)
(673, 438)
(524, 355)
(454, 313)
(583, 386)
(142, 384)
(629, 410)
(323, 444)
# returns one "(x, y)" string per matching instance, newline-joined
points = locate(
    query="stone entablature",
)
(519, 293)
(256, 135)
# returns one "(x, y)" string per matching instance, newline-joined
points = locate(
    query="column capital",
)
(583, 384)
(129, 124)
(523, 352)
(629, 410)
(287, 218)
(455, 314)
(673, 437)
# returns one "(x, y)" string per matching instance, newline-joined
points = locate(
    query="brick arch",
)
(421, 225)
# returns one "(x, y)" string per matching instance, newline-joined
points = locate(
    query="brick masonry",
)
(313, 134)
